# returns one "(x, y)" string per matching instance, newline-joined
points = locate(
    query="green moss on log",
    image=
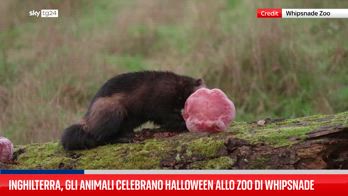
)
(191, 150)
(286, 132)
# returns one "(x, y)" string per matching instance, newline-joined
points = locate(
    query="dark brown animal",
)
(128, 100)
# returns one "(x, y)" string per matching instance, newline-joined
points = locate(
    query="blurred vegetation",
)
(51, 67)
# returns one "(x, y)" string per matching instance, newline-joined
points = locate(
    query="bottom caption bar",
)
(225, 184)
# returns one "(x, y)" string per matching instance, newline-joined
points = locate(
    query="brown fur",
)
(101, 106)
(128, 100)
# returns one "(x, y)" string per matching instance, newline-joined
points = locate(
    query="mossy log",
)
(314, 142)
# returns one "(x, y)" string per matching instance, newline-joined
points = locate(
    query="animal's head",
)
(187, 86)
(199, 83)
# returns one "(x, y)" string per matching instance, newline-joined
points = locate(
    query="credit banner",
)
(301, 13)
(159, 184)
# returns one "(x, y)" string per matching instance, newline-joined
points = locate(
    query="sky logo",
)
(45, 13)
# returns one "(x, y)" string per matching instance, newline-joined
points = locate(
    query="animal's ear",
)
(199, 82)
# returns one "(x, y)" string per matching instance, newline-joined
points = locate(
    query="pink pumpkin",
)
(208, 111)
(6, 150)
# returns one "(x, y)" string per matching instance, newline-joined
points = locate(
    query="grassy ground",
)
(50, 68)
(276, 145)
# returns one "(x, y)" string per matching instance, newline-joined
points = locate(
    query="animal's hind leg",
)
(126, 133)
(106, 126)
(104, 119)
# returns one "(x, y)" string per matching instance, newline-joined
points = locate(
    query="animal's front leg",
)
(173, 122)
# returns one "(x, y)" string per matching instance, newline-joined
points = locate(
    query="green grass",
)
(191, 150)
(50, 69)
(127, 62)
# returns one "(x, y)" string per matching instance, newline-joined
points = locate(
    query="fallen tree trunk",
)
(314, 142)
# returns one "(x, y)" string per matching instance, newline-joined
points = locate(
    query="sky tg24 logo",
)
(45, 13)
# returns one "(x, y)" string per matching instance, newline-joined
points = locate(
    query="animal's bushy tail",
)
(75, 138)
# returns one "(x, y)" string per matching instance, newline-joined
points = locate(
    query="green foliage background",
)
(280, 68)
